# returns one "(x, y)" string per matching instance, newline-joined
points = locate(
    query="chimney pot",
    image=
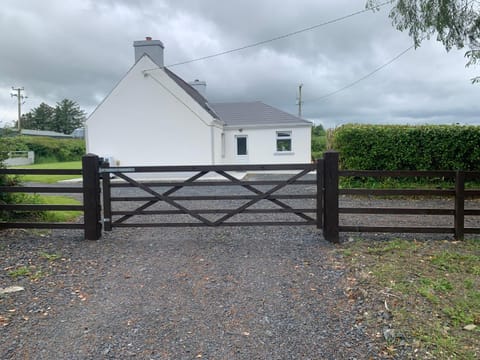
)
(200, 86)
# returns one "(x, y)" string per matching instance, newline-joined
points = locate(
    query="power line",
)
(363, 77)
(281, 36)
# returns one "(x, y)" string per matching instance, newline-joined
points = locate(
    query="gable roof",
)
(191, 91)
(255, 113)
(194, 94)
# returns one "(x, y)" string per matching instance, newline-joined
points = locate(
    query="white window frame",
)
(280, 136)
(246, 145)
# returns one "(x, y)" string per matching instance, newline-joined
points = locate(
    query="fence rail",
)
(40, 207)
(457, 192)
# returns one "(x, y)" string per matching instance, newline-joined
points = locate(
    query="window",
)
(241, 145)
(284, 141)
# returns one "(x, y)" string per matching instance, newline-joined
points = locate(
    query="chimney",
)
(200, 86)
(153, 48)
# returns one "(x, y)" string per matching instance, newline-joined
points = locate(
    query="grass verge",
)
(425, 295)
(49, 179)
(45, 216)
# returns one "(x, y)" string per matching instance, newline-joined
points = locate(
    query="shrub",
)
(8, 144)
(399, 147)
(54, 150)
(319, 141)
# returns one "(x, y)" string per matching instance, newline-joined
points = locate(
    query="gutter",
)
(269, 126)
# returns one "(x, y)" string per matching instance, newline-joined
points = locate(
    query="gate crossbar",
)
(150, 203)
(165, 198)
(259, 192)
(261, 196)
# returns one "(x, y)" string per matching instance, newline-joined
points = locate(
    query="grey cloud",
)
(80, 49)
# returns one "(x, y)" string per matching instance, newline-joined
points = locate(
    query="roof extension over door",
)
(256, 114)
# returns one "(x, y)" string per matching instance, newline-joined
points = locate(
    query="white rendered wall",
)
(150, 120)
(261, 146)
(217, 145)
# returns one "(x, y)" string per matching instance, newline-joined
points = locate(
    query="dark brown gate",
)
(210, 196)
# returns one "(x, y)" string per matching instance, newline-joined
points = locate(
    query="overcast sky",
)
(79, 49)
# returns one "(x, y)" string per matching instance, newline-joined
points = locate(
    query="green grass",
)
(45, 216)
(19, 272)
(50, 257)
(38, 267)
(49, 179)
(431, 288)
(60, 216)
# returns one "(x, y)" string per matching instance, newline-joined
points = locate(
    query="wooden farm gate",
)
(208, 196)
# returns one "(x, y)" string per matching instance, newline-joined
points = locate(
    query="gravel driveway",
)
(178, 293)
(230, 293)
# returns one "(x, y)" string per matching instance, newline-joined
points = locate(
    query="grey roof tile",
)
(254, 113)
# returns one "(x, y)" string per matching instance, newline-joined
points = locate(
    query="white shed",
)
(153, 117)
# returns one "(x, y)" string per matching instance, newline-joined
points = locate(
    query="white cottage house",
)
(153, 117)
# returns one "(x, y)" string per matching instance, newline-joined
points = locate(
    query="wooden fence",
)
(457, 192)
(326, 212)
(91, 198)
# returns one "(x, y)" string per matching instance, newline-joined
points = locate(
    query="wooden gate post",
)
(91, 197)
(330, 223)
(459, 218)
(107, 194)
(320, 190)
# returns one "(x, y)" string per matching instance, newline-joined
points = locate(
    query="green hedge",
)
(53, 150)
(8, 144)
(398, 147)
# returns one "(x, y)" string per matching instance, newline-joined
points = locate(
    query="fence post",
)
(91, 197)
(107, 193)
(459, 218)
(330, 223)
(320, 175)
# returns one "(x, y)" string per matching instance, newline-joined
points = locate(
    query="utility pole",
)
(20, 101)
(299, 101)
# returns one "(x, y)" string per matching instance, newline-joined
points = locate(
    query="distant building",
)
(47, 133)
(78, 133)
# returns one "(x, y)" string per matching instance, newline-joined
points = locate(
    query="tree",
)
(456, 23)
(318, 130)
(40, 118)
(64, 118)
(68, 116)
